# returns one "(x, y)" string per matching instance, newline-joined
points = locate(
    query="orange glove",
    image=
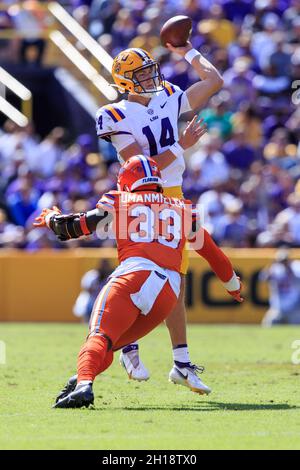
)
(236, 294)
(43, 219)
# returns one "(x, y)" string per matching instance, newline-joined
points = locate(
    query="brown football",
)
(176, 31)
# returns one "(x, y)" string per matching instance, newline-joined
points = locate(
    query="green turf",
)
(255, 401)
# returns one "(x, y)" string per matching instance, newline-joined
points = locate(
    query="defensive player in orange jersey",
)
(151, 231)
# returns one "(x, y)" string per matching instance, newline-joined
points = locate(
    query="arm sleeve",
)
(108, 202)
(216, 258)
(67, 227)
(121, 140)
(94, 217)
(183, 103)
(176, 93)
(104, 124)
(112, 131)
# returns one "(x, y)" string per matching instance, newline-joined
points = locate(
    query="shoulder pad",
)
(107, 119)
(114, 111)
(171, 89)
(114, 193)
(108, 201)
(104, 124)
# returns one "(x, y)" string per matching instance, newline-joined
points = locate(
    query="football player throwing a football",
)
(147, 123)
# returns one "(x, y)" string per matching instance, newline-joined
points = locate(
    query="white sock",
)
(132, 353)
(181, 353)
(84, 382)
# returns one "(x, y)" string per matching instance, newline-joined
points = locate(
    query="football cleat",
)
(69, 387)
(134, 366)
(82, 396)
(187, 375)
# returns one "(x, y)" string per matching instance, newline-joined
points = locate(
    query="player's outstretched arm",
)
(221, 265)
(70, 226)
(211, 80)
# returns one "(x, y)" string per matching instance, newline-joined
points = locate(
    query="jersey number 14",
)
(166, 137)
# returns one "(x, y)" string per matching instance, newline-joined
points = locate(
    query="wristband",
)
(233, 284)
(189, 56)
(177, 150)
(83, 224)
(49, 216)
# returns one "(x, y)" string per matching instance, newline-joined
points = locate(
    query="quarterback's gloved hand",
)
(43, 220)
(236, 294)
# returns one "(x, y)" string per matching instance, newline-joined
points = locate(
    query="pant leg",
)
(116, 321)
(162, 307)
(93, 358)
(113, 314)
(114, 311)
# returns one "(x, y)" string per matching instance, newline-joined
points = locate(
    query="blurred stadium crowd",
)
(246, 170)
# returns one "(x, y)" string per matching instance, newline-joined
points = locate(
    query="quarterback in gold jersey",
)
(147, 123)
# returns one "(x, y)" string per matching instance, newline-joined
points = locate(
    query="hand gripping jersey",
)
(153, 127)
(149, 225)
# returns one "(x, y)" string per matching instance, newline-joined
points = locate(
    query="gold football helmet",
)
(130, 64)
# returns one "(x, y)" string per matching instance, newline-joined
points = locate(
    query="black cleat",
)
(69, 387)
(82, 396)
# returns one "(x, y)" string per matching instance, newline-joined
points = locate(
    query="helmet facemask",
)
(155, 77)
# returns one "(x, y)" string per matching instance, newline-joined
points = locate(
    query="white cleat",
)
(188, 377)
(134, 366)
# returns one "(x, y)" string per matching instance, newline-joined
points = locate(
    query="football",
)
(176, 31)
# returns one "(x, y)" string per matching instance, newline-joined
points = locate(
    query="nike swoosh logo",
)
(182, 375)
(163, 105)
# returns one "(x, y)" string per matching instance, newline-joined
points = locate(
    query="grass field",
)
(255, 401)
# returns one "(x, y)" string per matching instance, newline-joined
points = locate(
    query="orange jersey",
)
(149, 225)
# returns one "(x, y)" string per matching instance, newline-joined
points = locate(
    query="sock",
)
(130, 347)
(84, 382)
(181, 354)
(131, 350)
(93, 358)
